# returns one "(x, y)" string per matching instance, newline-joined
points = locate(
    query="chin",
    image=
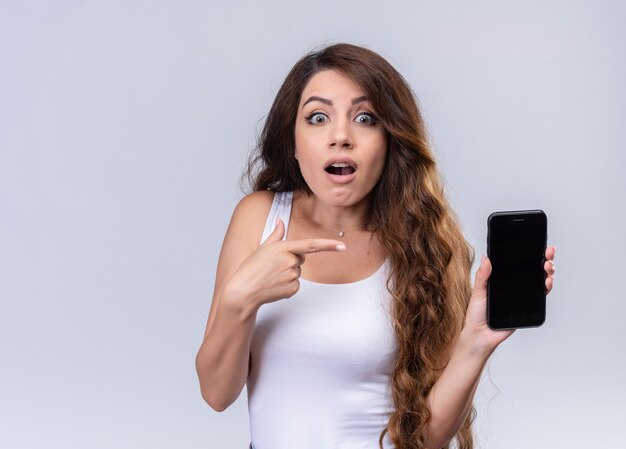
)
(339, 195)
(342, 197)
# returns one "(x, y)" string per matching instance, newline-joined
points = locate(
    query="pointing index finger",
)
(307, 246)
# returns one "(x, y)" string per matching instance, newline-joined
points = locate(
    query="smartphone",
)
(516, 289)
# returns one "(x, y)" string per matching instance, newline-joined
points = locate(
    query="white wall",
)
(125, 125)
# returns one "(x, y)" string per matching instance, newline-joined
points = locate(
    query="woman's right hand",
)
(272, 271)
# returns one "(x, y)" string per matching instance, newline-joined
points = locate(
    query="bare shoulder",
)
(246, 226)
(250, 214)
(261, 199)
(242, 239)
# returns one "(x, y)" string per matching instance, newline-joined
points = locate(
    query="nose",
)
(341, 135)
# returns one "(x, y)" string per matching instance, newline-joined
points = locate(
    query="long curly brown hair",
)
(410, 216)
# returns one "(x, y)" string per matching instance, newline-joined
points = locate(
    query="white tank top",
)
(321, 362)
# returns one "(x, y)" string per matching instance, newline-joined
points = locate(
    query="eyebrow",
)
(330, 103)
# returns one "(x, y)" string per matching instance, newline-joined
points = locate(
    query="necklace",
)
(340, 234)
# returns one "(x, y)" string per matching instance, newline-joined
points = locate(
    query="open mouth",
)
(340, 168)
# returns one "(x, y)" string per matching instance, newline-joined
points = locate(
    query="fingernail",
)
(341, 247)
(482, 261)
(277, 218)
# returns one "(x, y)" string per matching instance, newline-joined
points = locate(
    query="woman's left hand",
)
(476, 327)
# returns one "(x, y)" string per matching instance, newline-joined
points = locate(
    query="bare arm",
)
(222, 362)
(450, 399)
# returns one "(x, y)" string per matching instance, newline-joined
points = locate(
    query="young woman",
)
(343, 294)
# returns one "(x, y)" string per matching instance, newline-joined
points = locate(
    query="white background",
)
(124, 127)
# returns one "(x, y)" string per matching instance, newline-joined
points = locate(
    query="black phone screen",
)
(516, 246)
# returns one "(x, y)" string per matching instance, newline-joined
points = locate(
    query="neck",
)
(335, 217)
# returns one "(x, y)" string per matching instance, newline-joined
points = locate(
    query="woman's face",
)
(336, 124)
